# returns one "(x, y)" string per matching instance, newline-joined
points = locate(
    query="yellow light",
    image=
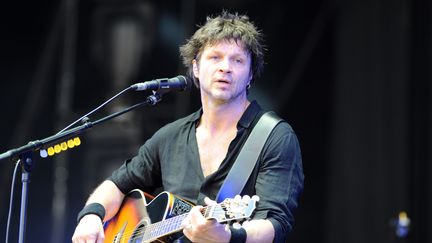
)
(64, 146)
(57, 148)
(77, 141)
(403, 215)
(70, 143)
(51, 151)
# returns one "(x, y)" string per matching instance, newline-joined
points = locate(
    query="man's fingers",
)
(209, 202)
(101, 237)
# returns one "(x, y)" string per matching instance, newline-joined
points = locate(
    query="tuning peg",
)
(255, 198)
(246, 198)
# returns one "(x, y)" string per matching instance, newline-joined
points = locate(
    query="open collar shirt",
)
(170, 161)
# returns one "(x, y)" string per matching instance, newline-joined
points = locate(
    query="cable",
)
(11, 201)
(94, 110)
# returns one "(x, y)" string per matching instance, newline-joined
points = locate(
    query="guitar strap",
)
(248, 156)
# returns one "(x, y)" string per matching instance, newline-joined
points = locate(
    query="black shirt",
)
(170, 160)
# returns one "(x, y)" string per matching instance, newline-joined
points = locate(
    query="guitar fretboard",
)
(159, 229)
(171, 225)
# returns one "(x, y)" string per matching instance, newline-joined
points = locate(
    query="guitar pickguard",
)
(180, 207)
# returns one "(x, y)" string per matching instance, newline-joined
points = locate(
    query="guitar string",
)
(163, 225)
(156, 226)
(150, 228)
(160, 232)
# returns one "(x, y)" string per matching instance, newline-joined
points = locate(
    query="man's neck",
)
(221, 117)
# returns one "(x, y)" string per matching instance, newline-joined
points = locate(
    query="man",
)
(192, 156)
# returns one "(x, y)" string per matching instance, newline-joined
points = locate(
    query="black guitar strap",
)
(248, 156)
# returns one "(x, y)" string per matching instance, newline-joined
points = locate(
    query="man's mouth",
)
(223, 81)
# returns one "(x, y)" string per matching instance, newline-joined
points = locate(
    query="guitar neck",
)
(173, 224)
(162, 228)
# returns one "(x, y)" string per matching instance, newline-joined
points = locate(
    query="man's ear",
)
(250, 77)
(195, 68)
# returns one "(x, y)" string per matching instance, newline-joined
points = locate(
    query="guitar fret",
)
(205, 214)
(152, 231)
(164, 227)
(158, 231)
(148, 232)
(207, 211)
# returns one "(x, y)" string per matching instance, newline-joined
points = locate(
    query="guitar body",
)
(135, 214)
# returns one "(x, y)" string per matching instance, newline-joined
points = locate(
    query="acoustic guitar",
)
(161, 218)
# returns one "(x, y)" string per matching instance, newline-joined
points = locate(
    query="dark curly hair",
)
(226, 26)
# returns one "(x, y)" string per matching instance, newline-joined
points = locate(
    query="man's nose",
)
(225, 66)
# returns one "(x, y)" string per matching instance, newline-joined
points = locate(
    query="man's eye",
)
(239, 60)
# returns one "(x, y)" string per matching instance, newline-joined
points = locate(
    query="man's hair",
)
(226, 26)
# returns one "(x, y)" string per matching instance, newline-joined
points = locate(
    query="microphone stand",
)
(24, 154)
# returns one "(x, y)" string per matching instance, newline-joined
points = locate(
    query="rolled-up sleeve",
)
(141, 170)
(280, 180)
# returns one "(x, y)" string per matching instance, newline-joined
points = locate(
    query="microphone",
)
(177, 83)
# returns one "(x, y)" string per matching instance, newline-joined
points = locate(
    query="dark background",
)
(353, 78)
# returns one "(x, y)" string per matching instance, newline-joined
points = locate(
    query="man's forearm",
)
(109, 196)
(259, 230)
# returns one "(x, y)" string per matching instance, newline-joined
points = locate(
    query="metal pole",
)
(25, 178)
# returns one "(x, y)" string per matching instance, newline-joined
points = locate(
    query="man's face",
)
(224, 71)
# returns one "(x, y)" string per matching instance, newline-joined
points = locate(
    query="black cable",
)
(11, 201)
(94, 110)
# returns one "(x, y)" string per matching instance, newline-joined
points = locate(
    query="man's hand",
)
(199, 229)
(89, 230)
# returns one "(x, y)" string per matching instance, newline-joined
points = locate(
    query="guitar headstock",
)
(234, 208)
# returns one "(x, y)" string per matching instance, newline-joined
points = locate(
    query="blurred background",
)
(352, 77)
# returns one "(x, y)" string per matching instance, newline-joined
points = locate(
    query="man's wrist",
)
(238, 235)
(92, 208)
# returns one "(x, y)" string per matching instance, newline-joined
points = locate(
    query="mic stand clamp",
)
(155, 97)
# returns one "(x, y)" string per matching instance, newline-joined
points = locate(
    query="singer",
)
(191, 157)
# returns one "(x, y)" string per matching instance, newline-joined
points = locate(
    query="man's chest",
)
(211, 157)
(212, 151)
